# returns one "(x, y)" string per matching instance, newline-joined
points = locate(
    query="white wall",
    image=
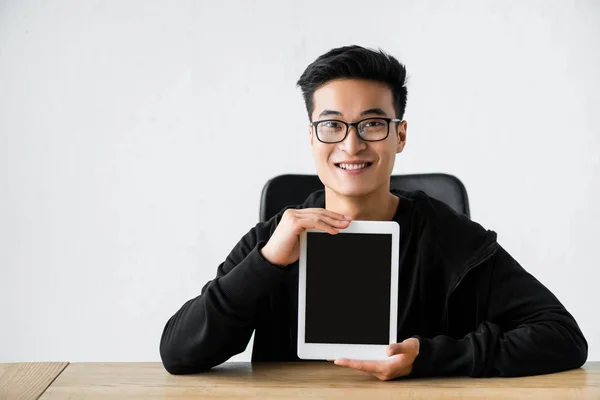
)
(135, 137)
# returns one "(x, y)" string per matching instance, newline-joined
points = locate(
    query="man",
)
(466, 307)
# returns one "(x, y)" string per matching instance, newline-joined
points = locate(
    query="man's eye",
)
(331, 125)
(372, 124)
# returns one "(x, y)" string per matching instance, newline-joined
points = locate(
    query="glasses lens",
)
(373, 129)
(331, 131)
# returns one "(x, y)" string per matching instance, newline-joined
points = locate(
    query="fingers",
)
(321, 222)
(371, 367)
(316, 218)
(383, 370)
(400, 361)
(316, 223)
(335, 223)
(325, 213)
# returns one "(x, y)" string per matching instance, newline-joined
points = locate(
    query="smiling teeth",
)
(353, 166)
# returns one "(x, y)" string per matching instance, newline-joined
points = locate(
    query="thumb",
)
(408, 346)
(396, 348)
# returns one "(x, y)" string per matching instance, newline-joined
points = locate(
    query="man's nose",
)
(353, 143)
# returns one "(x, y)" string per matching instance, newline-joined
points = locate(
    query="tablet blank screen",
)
(348, 288)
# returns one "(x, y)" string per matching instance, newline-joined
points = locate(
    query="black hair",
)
(358, 63)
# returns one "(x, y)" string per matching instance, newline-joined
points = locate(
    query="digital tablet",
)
(348, 291)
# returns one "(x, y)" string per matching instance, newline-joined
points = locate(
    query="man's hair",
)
(355, 62)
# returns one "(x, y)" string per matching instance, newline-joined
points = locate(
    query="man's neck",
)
(378, 206)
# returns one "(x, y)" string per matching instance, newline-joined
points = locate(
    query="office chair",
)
(288, 190)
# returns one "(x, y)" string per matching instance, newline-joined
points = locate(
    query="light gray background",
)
(135, 137)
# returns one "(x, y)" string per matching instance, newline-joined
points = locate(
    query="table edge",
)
(64, 367)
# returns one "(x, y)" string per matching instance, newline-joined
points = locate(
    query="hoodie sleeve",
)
(209, 329)
(524, 330)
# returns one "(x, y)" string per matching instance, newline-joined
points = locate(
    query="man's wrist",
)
(266, 253)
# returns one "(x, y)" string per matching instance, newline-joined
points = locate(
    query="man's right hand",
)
(283, 248)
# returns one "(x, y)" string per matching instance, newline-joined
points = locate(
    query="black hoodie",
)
(474, 309)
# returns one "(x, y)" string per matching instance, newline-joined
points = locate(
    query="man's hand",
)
(402, 356)
(283, 247)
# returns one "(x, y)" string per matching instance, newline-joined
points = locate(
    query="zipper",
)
(462, 277)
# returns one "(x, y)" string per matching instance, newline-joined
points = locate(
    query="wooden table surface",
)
(301, 380)
(27, 380)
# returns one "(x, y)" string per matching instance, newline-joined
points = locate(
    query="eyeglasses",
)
(369, 130)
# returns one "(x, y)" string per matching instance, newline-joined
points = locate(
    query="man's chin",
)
(351, 190)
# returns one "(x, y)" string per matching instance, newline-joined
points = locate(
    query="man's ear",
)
(401, 135)
(310, 134)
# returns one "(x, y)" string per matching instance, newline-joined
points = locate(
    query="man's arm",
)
(527, 332)
(218, 324)
(211, 328)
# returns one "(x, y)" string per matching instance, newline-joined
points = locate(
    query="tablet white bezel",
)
(327, 351)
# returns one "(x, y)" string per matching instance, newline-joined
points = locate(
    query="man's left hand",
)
(400, 362)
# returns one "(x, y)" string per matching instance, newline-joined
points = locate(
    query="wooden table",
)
(301, 380)
(27, 380)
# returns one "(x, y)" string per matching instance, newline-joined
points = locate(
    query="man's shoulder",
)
(427, 205)
(455, 235)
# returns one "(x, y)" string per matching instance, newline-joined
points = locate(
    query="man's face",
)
(352, 100)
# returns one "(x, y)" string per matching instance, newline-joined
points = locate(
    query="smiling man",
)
(465, 306)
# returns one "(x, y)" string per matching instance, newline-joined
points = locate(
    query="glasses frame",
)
(315, 125)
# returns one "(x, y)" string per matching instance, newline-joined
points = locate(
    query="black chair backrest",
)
(288, 190)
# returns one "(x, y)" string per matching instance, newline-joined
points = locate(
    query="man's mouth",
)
(352, 167)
